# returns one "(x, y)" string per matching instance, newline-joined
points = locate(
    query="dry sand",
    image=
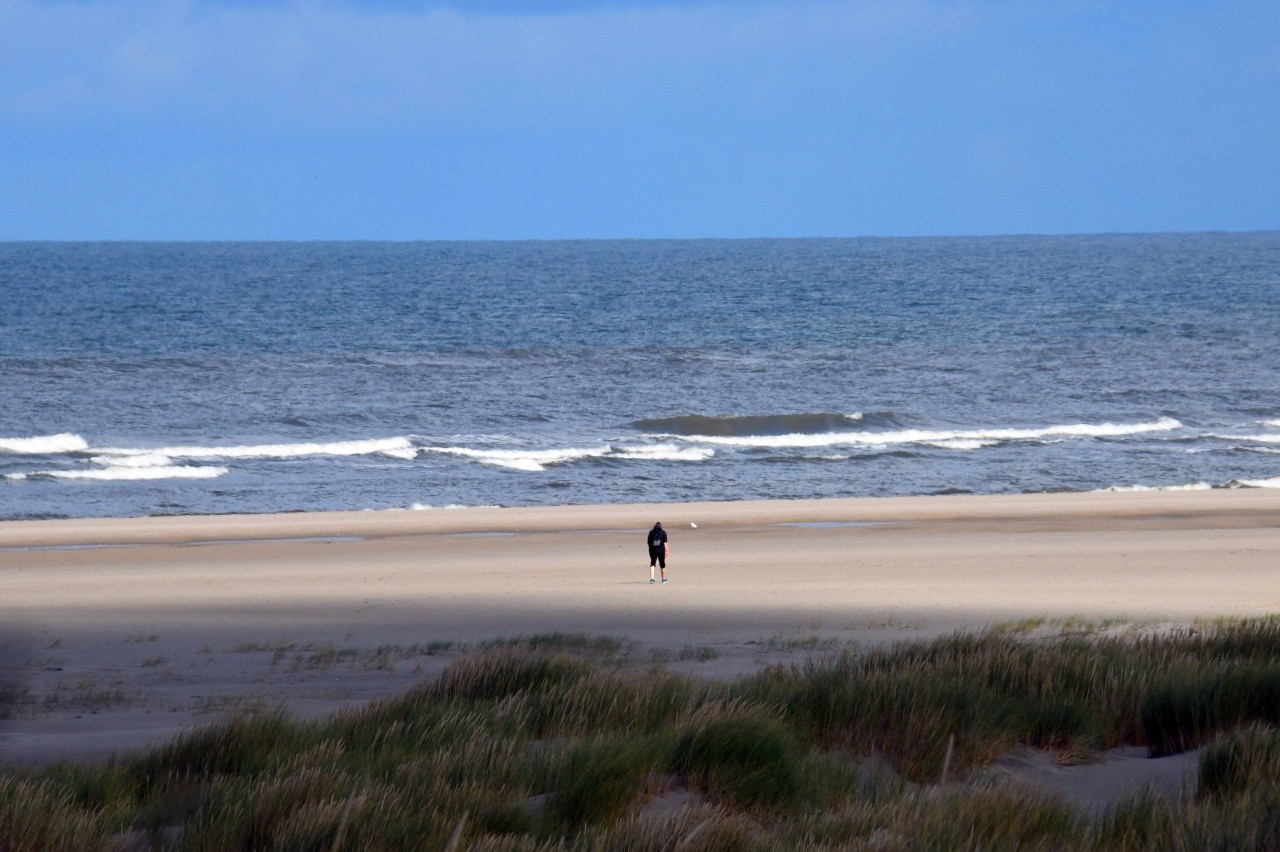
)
(117, 633)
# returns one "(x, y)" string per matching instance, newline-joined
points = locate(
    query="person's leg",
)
(653, 560)
(662, 561)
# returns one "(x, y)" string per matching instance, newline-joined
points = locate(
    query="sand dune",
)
(119, 632)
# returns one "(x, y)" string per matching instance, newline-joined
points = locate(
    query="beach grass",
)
(565, 742)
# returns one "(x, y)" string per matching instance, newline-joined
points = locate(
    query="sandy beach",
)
(118, 633)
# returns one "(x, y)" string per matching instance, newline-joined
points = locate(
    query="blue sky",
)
(393, 119)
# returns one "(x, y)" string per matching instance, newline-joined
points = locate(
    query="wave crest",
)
(1273, 482)
(115, 474)
(41, 445)
(963, 439)
(396, 447)
(538, 460)
(663, 452)
(527, 460)
(1190, 486)
(768, 424)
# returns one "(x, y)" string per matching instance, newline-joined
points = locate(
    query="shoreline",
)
(123, 631)
(1187, 505)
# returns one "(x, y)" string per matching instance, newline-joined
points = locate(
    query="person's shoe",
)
(664, 581)
(652, 581)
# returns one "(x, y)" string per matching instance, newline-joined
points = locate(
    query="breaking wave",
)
(1273, 482)
(538, 460)
(1191, 486)
(139, 464)
(129, 473)
(528, 460)
(1269, 438)
(43, 445)
(950, 439)
(396, 447)
(663, 452)
(770, 424)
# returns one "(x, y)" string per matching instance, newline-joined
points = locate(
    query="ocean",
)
(204, 378)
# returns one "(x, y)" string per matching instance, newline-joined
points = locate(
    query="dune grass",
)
(561, 742)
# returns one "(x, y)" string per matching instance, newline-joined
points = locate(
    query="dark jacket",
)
(656, 538)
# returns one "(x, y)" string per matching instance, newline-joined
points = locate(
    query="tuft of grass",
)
(37, 813)
(241, 745)
(882, 624)
(599, 777)
(84, 695)
(747, 759)
(320, 658)
(236, 704)
(979, 817)
(504, 672)
(1140, 821)
(1180, 713)
(702, 653)
(1236, 762)
(778, 642)
(15, 700)
(1079, 625)
(582, 642)
(21, 701)
(1023, 627)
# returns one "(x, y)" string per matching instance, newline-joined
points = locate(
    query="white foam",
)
(40, 445)
(423, 507)
(527, 460)
(145, 460)
(539, 460)
(395, 447)
(133, 473)
(1106, 430)
(1273, 482)
(1258, 439)
(663, 452)
(958, 439)
(1191, 486)
(962, 444)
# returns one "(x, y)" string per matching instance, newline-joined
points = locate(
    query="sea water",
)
(175, 378)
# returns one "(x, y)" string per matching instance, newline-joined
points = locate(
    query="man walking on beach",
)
(657, 541)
